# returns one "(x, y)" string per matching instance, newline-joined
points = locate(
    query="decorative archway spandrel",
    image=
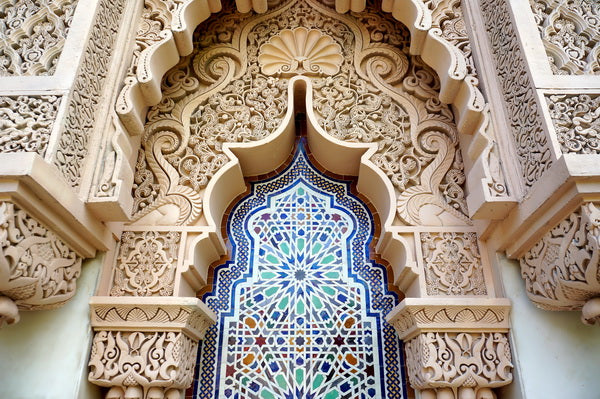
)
(373, 108)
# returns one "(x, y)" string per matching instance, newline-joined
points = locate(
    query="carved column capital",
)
(456, 348)
(146, 347)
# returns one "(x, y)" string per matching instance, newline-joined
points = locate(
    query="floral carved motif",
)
(87, 91)
(447, 16)
(458, 360)
(145, 347)
(576, 119)
(452, 264)
(146, 264)
(146, 359)
(570, 31)
(37, 269)
(300, 51)
(238, 103)
(530, 140)
(26, 122)
(562, 270)
(152, 30)
(33, 35)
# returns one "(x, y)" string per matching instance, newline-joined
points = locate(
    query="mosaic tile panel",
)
(301, 307)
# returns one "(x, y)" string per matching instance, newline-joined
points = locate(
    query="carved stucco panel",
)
(452, 264)
(33, 35)
(148, 359)
(146, 264)
(375, 100)
(576, 120)
(38, 270)
(26, 122)
(458, 360)
(87, 91)
(562, 270)
(530, 139)
(570, 31)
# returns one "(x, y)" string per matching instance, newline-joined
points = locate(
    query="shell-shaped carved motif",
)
(300, 51)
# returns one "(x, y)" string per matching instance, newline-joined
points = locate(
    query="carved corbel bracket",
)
(38, 269)
(456, 348)
(561, 269)
(145, 347)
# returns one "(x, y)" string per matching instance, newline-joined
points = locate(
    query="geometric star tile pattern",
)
(301, 307)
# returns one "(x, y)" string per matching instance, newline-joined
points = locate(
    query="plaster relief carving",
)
(456, 348)
(87, 91)
(447, 16)
(33, 35)
(300, 51)
(576, 119)
(26, 122)
(422, 163)
(146, 264)
(452, 264)
(570, 31)
(37, 269)
(146, 347)
(459, 364)
(561, 271)
(530, 140)
(142, 359)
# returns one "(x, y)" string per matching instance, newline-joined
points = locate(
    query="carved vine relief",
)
(26, 122)
(576, 119)
(561, 271)
(37, 269)
(366, 89)
(570, 31)
(87, 89)
(33, 35)
(530, 140)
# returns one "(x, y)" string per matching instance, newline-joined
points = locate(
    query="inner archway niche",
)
(227, 111)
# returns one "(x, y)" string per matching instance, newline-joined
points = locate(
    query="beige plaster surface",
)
(44, 356)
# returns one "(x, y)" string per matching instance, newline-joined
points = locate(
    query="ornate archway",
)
(373, 111)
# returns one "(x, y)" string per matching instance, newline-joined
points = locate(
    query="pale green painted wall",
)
(558, 357)
(44, 356)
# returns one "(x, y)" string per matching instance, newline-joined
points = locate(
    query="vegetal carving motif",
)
(300, 51)
(37, 269)
(87, 91)
(26, 122)
(576, 118)
(452, 264)
(148, 359)
(146, 264)
(561, 271)
(454, 360)
(33, 35)
(375, 96)
(522, 108)
(152, 30)
(447, 16)
(570, 30)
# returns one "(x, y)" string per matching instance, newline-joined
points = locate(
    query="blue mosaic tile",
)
(300, 306)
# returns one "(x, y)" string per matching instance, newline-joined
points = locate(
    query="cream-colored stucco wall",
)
(556, 356)
(44, 356)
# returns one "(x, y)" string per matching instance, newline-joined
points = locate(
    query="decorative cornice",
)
(414, 316)
(188, 315)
